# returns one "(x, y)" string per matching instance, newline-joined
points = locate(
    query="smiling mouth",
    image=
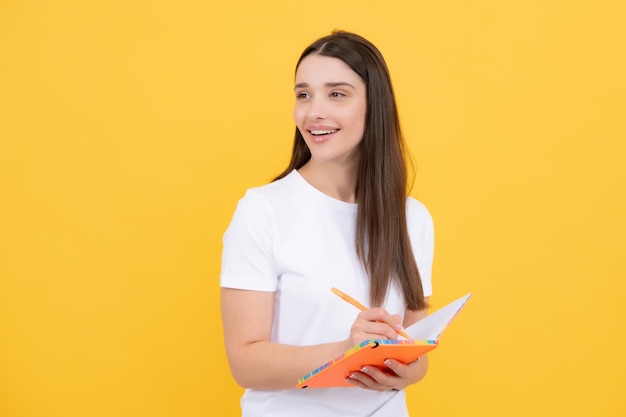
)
(322, 132)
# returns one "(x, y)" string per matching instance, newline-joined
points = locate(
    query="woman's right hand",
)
(375, 323)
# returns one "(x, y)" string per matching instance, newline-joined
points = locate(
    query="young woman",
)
(338, 216)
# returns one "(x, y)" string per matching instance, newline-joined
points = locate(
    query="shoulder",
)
(262, 196)
(267, 201)
(417, 210)
(272, 190)
(418, 218)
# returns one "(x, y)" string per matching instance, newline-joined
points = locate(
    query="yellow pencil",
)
(361, 307)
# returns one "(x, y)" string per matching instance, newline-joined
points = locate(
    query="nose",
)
(316, 109)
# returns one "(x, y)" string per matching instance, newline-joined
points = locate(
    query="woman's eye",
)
(336, 94)
(301, 96)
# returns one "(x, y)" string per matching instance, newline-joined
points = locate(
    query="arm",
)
(402, 375)
(257, 362)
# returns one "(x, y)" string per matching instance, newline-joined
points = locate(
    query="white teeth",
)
(322, 132)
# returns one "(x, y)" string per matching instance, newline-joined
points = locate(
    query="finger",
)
(378, 314)
(363, 380)
(364, 330)
(384, 331)
(360, 379)
(396, 321)
(381, 315)
(384, 325)
(398, 368)
(381, 380)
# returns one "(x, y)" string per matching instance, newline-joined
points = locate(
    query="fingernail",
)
(365, 370)
(387, 362)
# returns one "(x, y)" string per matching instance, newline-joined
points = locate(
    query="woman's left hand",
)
(398, 375)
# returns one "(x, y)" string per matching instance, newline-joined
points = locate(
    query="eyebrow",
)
(332, 85)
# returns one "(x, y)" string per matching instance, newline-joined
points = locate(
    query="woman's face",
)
(330, 108)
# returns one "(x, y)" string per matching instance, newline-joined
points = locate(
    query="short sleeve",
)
(421, 232)
(247, 254)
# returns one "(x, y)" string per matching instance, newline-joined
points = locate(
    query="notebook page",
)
(431, 326)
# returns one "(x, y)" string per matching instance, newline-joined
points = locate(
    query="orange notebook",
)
(424, 338)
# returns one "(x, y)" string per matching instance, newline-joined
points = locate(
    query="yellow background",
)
(129, 129)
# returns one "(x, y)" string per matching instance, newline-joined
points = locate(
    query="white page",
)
(431, 326)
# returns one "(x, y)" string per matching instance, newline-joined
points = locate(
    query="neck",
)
(337, 181)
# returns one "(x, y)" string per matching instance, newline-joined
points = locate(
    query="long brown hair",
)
(382, 239)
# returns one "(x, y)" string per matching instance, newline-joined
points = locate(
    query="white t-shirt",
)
(290, 238)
